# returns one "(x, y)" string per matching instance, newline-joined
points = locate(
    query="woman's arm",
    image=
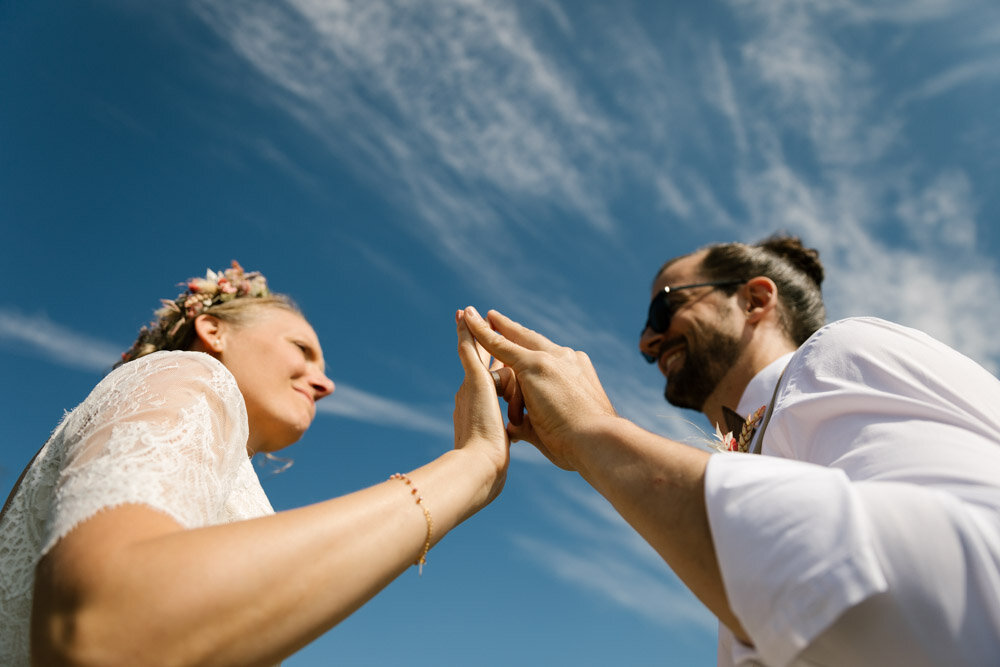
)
(131, 586)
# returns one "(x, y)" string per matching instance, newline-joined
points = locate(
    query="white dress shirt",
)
(868, 533)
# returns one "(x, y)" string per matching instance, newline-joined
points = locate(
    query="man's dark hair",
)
(795, 269)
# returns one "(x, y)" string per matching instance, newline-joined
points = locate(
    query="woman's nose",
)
(323, 386)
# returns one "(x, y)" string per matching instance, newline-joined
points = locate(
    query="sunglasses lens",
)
(660, 313)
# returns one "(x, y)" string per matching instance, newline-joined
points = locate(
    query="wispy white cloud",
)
(599, 552)
(476, 113)
(989, 33)
(361, 405)
(41, 336)
(939, 295)
(474, 122)
(901, 12)
(722, 92)
(966, 36)
(962, 74)
(271, 153)
(807, 74)
(943, 213)
(476, 92)
(672, 196)
(858, 197)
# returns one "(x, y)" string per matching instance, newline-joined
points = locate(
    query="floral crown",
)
(201, 294)
(213, 289)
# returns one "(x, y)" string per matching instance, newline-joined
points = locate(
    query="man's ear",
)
(208, 334)
(762, 298)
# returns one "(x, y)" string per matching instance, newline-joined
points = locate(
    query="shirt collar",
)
(760, 389)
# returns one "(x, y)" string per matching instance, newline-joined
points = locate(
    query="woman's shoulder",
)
(176, 378)
(174, 360)
(175, 367)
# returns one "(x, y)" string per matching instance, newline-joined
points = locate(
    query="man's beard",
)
(705, 363)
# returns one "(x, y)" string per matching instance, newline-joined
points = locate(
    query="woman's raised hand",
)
(478, 422)
(557, 394)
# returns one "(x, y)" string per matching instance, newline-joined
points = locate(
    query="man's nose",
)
(649, 343)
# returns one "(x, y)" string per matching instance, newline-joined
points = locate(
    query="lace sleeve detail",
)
(168, 431)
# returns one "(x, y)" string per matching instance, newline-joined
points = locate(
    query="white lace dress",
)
(168, 430)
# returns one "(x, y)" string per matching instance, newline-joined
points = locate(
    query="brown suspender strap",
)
(758, 443)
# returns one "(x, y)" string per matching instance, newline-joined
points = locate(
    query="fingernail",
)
(470, 310)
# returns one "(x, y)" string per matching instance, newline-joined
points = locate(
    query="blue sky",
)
(388, 162)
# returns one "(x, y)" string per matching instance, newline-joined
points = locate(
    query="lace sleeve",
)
(168, 431)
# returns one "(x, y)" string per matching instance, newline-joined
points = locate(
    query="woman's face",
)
(278, 364)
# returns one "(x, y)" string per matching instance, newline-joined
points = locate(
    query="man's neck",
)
(729, 390)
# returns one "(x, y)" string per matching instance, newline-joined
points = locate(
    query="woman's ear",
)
(208, 335)
(762, 298)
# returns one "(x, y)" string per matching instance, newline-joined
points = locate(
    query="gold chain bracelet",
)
(427, 515)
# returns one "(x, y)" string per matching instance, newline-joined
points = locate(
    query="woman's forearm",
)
(130, 585)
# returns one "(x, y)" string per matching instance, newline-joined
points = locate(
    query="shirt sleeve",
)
(794, 546)
(168, 431)
(875, 504)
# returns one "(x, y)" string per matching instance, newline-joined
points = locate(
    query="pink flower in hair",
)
(203, 286)
(194, 304)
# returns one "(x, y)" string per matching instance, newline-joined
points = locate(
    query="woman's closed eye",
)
(310, 354)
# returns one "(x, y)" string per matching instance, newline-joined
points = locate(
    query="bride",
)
(140, 533)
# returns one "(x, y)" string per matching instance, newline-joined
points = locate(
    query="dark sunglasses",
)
(661, 309)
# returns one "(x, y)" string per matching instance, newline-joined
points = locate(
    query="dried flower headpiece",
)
(174, 317)
(213, 289)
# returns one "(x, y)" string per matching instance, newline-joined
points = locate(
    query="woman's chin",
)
(275, 442)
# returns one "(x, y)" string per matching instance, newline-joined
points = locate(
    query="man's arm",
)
(657, 485)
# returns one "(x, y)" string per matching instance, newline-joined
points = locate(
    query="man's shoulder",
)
(861, 323)
(855, 341)
(872, 340)
(854, 333)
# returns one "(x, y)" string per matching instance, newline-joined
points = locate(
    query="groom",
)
(868, 532)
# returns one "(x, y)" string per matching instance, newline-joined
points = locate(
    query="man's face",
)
(702, 342)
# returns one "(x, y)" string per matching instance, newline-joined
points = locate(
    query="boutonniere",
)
(726, 441)
(741, 443)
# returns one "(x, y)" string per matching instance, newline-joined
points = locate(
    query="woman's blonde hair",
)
(234, 296)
